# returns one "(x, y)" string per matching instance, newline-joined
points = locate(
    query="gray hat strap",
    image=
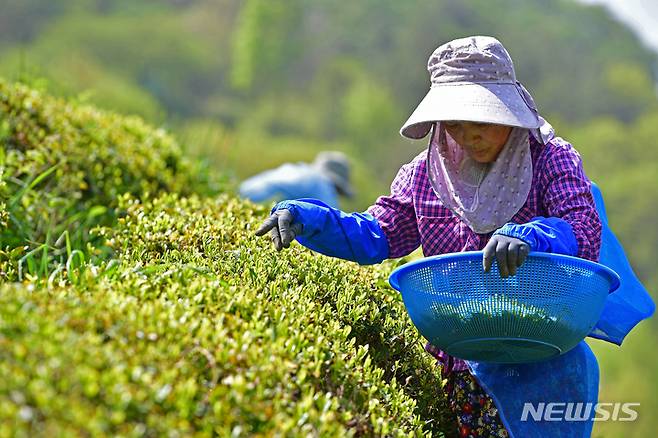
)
(527, 98)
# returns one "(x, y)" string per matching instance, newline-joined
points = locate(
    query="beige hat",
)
(472, 79)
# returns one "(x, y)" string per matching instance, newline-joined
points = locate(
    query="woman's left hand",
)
(509, 252)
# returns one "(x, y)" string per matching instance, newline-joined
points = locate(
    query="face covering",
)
(483, 195)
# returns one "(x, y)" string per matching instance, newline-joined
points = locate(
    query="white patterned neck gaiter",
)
(483, 195)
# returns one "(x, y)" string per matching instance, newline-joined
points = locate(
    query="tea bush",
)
(147, 307)
(63, 166)
(198, 327)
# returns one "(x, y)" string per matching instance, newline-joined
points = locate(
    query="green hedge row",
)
(63, 166)
(146, 307)
(198, 327)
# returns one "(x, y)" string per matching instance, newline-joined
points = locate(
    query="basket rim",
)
(394, 278)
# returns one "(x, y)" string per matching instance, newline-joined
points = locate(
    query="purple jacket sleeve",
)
(568, 196)
(396, 214)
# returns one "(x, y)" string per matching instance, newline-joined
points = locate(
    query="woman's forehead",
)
(468, 123)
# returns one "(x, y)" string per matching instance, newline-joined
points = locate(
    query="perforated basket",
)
(544, 310)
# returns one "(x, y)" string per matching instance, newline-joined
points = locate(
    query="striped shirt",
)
(412, 215)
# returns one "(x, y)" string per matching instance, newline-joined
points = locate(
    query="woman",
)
(494, 178)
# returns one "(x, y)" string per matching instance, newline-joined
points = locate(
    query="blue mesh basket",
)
(544, 310)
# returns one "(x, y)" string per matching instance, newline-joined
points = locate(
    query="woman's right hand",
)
(509, 252)
(281, 227)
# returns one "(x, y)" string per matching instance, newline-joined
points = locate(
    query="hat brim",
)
(496, 103)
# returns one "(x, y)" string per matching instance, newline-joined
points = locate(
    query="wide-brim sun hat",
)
(472, 79)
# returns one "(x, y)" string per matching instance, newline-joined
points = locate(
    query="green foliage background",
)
(247, 85)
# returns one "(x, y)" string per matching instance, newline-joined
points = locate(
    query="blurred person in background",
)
(327, 178)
